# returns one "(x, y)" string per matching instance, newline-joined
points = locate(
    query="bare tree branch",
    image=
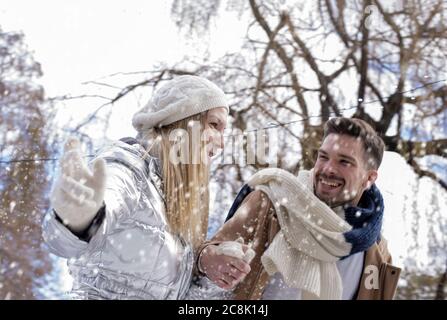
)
(288, 63)
(425, 173)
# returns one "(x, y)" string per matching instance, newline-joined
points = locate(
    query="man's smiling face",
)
(340, 172)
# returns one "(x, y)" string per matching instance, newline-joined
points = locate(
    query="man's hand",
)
(78, 192)
(226, 264)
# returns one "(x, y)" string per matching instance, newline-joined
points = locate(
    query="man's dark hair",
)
(373, 145)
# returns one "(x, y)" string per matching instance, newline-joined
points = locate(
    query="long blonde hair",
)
(185, 185)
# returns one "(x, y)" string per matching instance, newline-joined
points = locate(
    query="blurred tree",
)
(441, 287)
(24, 185)
(419, 286)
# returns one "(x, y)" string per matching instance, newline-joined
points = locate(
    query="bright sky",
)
(78, 41)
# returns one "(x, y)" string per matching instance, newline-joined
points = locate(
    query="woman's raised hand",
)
(78, 193)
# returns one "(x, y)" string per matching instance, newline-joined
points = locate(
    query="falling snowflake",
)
(12, 205)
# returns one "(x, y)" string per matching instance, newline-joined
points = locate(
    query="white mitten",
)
(78, 193)
(234, 249)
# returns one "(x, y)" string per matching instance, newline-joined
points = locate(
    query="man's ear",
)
(371, 178)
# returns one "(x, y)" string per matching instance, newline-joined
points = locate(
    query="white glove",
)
(78, 193)
(234, 249)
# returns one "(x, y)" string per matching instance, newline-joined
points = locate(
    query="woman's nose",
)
(216, 138)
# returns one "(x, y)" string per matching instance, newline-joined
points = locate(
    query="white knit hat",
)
(178, 99)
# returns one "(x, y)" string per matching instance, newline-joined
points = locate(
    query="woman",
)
(131, 224)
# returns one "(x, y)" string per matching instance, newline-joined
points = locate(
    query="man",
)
(320, 241)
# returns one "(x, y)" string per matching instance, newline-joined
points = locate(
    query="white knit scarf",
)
(310, 240)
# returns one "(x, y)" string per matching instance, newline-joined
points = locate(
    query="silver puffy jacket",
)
(131, 255)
